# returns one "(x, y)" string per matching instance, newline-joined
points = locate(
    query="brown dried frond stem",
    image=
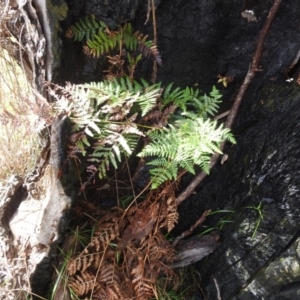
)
(154, 71)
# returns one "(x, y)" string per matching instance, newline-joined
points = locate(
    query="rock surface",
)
(37, 222)
(258, 258)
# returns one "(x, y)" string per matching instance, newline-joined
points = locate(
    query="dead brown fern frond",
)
(149, 50)
(159, 117)
(143, 288)
(83, 283)
(128, 252)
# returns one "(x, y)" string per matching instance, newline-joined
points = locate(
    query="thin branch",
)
(154, 71)
(217, 288)
(192, 228)
(236, 104)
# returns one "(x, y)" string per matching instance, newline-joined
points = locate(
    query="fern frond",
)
(188, 165)
(207, 105)
(129, 38)
(101, 40)
(86, 28)
(102, 43)
(148, 48)
(142, 287)
(189, 142)
(163, 170)
(190, 98)
(163, 144)
(107, 113)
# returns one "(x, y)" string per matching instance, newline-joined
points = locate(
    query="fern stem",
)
(154, 22)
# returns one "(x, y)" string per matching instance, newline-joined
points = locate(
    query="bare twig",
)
(154, 71)
(223, 115)
(217, 288)
(192, 228)
(236, 104)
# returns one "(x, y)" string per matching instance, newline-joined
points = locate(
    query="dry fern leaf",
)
(141, 225)
(157, 247)
(77, 265)
(104, 238)
(84, 283)
(172, 214)
(83, 262)
(108, 275)
(157, 268)
(143, 290)
(114, 293)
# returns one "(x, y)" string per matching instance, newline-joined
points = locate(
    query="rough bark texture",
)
(34, 210)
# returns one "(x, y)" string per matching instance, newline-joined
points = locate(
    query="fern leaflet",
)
(189, 142)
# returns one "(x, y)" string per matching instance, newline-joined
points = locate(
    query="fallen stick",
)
(254, 67)
(192, 228)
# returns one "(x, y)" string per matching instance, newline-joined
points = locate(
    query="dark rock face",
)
(76, 66)
(263, 168)
(199, 40)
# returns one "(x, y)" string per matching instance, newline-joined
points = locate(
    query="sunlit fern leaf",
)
(148, 100)
(191, 99)
(117, 152)
(188, 165)
(123, 142)
(189, 142)
(107, 113)
(161, 145)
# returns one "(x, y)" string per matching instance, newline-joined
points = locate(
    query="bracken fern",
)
(101, 40)
(105, 114)
(109, 117)
(189, 142)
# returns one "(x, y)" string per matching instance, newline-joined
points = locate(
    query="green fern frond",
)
(109, 151)
(106, 113)
(189, 142)
(190, 100)
(86, 28)
(101, 41)
(188, 165)
(162, 170)
(121, 94)
(129, 39)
